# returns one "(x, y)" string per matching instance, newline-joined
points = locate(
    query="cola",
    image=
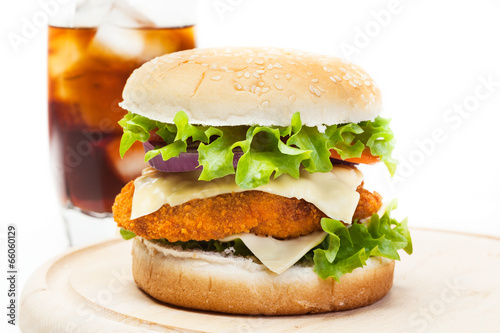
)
(87, 70)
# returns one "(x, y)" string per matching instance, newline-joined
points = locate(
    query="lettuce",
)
(267, 151)
(237, 246)
(126, 234)
(345, 249)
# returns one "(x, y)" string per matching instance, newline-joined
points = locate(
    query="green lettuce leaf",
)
(309, 138)
(126, 234)
(343, 139)
(267, 151)
(185, 130)
(135, 128)
(345, 249)
(239, 247)
(380, 139)
(217, 157)
(176, 137)
(264, 154)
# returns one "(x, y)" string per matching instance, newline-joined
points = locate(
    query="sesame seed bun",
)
(252, 86)
(230, 284)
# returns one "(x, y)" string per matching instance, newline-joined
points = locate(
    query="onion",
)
(185, 162)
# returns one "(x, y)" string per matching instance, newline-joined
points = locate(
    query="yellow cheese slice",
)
(279, 255)
(334, 193)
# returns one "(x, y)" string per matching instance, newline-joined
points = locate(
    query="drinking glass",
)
(93, 47)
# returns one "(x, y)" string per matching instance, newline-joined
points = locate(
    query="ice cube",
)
(132, 163)
(65, 16)
(91, 13)
(65, 50)
(113, 41)
(124, 15)
(155, 13)
(81, 13)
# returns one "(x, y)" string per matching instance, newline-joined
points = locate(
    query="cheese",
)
(334, 193)
(279, 255)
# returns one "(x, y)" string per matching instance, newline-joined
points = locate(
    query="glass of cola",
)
(93, 47)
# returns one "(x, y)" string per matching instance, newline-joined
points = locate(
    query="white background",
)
(430, 58)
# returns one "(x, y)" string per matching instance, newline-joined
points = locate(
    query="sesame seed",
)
(261, 83)
(259, 61)
(276, 76)
(277, 65)
(249, 60)
(270, 66)
(309, 73)
(214, 66)
(327, 69)
(247, 75)
(343, 70)
(205, 64)
(216, 78)
(333, 79)
(260, 71)
(288, 76)
(266, 89)
(237, 86)
(353, 84)
(337, 78)
(265, 104)
(314, 90)
(256, 75)
(257, 90)
(239, 74)
(292, 98)
(278, 86)
(224, 68)
(315, 80)
(246, 88)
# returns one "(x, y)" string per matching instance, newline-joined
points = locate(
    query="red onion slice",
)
(185, 162)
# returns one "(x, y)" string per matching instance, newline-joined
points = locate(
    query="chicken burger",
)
(253, 203)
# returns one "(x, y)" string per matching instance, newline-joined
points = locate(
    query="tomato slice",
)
(366, 157)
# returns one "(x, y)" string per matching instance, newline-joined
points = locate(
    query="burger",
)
(254, 202)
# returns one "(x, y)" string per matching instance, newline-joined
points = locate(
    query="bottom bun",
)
(225, 283)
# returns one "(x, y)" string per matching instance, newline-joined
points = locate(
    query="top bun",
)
(252, 86)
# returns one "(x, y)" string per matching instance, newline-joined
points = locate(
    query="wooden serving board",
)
(450, 283)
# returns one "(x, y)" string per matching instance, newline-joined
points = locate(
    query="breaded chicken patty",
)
(256, 212)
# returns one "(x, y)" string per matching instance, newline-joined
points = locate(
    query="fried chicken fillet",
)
(255, 212)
